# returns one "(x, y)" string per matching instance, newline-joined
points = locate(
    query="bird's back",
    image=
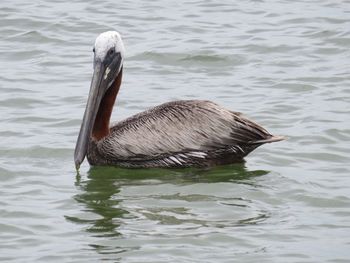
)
(182, 132)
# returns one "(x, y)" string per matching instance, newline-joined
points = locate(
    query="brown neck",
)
(101, 125)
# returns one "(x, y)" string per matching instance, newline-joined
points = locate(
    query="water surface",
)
(285, 64)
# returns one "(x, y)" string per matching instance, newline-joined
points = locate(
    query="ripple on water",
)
(284, 64)
(181, 60)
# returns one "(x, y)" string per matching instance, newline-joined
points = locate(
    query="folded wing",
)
(181, 126)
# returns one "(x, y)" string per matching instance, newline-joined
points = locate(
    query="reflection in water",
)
(102, 185)
(97, 195)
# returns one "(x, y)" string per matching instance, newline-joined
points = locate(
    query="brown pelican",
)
(181, 133)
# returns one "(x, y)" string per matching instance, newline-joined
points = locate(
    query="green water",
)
(285, 64)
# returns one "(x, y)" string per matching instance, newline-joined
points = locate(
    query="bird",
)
(176, 134)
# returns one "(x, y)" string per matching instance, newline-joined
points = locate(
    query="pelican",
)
(184, 133)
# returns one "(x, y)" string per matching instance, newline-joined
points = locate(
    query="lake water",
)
(285, 64)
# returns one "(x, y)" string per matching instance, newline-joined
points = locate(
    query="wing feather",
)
(180, 126)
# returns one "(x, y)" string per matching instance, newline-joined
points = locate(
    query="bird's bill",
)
(98, 87)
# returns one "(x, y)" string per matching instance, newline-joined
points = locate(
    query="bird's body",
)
(179, 134)
(182, 133)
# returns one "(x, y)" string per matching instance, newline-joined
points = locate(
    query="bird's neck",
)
(101, 125)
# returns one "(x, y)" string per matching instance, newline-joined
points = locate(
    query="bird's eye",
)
(111, 51)
(93, 50)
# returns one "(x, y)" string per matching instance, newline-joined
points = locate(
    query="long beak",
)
(98, 87)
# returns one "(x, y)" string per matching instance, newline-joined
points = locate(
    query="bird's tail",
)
(273, 138)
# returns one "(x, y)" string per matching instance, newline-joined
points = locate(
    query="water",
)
(285, 64)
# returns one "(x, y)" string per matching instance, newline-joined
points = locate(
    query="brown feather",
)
(202, 131)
